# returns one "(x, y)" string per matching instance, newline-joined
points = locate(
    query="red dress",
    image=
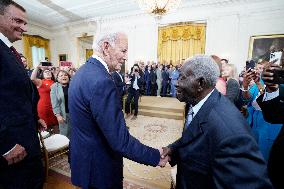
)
(44, 106)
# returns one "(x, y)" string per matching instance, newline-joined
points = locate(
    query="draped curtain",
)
(33, 40)
(180, 42)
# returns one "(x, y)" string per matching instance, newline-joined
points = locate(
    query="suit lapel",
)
(195, 129)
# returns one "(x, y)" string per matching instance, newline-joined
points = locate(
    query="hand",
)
(166, 152)
(248, 76)
(267, 76)
(17, 154)
(137, 74)
(60, 119)
(42, 124)
(164, 159)
(126, 79)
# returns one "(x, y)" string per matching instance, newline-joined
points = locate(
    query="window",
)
(38, 55)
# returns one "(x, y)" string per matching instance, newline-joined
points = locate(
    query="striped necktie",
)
(16, 54)
(189, 117)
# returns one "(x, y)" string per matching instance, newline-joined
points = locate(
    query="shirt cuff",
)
(269, 96)
(10, 150)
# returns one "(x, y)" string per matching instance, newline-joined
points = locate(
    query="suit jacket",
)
(273, 112)
(118, 82)
(140, 82)
(99, 137)
(18, 101)
(57, 99)
(217, 150)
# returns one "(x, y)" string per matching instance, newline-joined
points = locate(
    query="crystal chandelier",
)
(158, 8)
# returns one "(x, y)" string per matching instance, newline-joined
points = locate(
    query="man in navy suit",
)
(272, 105)
(99, 137)
(20, 162)
(119, 83)
(217, 149)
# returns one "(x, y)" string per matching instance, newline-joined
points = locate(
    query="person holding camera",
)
(44, 107)
(133, 91)
(265, 133)
(272, 106)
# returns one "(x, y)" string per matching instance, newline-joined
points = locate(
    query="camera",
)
(136, 70)
(46, 63)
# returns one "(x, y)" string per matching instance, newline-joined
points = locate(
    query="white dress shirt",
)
(101, 61)
(5, 40)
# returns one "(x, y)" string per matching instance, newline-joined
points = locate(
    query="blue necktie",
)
(189, 117)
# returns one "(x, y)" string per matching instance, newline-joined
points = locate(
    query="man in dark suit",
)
(134, 91)
(217, 149)
(99, 137)
(272, 106)
(20, 163)
(119, 83)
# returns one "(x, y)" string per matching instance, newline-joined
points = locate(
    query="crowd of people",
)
(232, 137)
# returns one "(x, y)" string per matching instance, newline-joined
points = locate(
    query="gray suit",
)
(58, 107)
(159, 81)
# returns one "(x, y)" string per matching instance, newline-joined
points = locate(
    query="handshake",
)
(165, 156)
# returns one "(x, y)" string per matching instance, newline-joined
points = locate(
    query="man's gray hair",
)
(204, 66)
(105, 37)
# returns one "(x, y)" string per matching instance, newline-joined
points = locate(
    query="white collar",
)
(5, 40)
(197, 107)
(101, 61)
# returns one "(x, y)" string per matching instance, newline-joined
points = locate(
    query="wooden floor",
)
(56, 181)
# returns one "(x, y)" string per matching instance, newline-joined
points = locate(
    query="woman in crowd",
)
(232, 84)
(44, 107)
(221, 83)
(59, 101)
(265, 133)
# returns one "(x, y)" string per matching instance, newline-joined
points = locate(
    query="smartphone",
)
(250, 65)
(275, 57)
(46, 64)
(278, 77)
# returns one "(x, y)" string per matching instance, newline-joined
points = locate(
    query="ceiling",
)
(53, 13)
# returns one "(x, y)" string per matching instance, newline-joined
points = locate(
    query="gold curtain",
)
(33, 40)
(180, 42)
(89, 53)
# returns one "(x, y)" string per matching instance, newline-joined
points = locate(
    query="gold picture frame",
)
(260, 46)
(62, 57)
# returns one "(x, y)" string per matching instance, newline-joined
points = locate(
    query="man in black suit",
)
(272, 106)
(217, 149)
(134, 91)
(119, 83)
(21, 166)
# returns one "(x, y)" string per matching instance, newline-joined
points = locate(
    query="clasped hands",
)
(165, 156)
(15, 155)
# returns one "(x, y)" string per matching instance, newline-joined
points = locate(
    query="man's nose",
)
(24, 27)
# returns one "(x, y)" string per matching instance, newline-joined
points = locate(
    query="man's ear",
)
(201, 83)
(105, 47)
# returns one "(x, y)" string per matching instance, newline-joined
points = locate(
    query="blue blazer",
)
(218, 151)
(18, 114)
(99, 137)
(119, 84)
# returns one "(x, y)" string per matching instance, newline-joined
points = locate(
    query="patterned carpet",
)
(152, 131)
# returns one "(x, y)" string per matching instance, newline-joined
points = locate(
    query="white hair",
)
(204, 66)
(105, 37)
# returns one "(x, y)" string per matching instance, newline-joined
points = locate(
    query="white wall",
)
(228, 31)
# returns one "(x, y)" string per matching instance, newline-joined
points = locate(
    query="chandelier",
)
(158, 8)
